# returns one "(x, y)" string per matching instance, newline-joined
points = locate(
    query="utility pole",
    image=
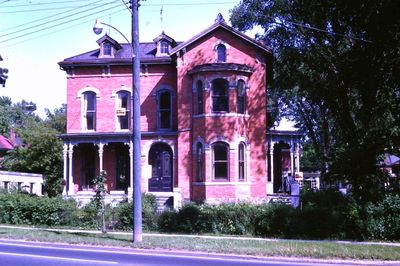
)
(136, 130)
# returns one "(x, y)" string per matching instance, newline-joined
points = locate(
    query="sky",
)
(37, 34)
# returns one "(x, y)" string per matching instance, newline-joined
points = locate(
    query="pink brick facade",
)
(203, 117)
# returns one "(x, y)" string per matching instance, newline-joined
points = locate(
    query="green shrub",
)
(275, 220)
(167, 221)
(187, 218)
(237, 219)
(234, 219)
(124, 215)
(22, 208)
(329, 215)
(383, 218)
(149, 212)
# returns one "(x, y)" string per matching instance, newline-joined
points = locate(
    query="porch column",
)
(101, 151)
(270, 184)
(65, 159)
(71, 189)
(292, 166)
(130, 188)
(297, 154)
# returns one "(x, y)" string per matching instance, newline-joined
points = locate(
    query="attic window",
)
(107, 49)
(164, 47)
(221, 53)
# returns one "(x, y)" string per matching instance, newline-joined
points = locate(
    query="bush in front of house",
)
(227, 218)
(22, 208)
(383, 218)
(124, 215)
(276, 220)
(328, 214)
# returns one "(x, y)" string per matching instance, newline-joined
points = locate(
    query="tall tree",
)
(42, 152)
(3, 74)
(337, 71)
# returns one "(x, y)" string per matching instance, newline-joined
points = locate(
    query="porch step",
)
(164, 203)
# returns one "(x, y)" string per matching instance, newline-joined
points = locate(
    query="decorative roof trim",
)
(214, 67)
(106, 37)
(220, 23)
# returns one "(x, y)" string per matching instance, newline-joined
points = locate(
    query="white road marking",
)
(58, 258)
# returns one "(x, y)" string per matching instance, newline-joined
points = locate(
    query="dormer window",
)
(164, 43)
(107, 49)
(164, 47)
(108, 46)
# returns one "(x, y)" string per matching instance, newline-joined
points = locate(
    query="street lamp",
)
(136, 133)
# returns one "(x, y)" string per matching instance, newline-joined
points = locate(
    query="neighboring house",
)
(203, 120)
(5, 146)
(17, 181)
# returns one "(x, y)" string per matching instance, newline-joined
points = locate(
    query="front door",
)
(160, 159)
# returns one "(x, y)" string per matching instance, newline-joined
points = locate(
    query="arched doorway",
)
(160, 158)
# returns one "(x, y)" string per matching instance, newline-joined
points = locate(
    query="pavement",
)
(291, 259)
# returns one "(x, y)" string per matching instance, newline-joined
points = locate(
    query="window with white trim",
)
(241, 97)
(220, 95)
(220, 160)
(123, 111)
(199, 89)
(221, 53)
(164, 109)
(164, 47)
(242, 162)
(107, 49)
(89, 110)
(200, 160)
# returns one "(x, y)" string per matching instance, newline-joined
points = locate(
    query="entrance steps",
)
(164, 202)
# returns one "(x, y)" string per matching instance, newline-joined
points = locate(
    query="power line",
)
(42, 4)
(38, 10)
(57, 19)
(332, 33)
(58, 30)
(40, 19)
(59, 24)
(191, 4)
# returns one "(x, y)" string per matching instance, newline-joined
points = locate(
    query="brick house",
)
(203, 119)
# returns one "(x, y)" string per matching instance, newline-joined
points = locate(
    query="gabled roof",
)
(113, 42)
(5, 144)
(148, 50)
(147, 53)
(164, 36)
(220, 23)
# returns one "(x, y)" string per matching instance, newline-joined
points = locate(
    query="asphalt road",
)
(18, 253)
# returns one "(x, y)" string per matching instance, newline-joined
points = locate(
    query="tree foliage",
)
(337, 73)
(3, 74)
(41, 151)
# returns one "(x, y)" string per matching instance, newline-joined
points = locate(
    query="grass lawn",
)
(244, 246)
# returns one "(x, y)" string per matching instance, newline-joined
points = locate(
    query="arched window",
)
(199, 173)
(220, 161)
(221, 53)
(89, 110)
(220, 95)
(164, 110)
(242, 162)
(107, 49)
(199, 88)
(124, 109)
(241, 97)
(164, 47)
